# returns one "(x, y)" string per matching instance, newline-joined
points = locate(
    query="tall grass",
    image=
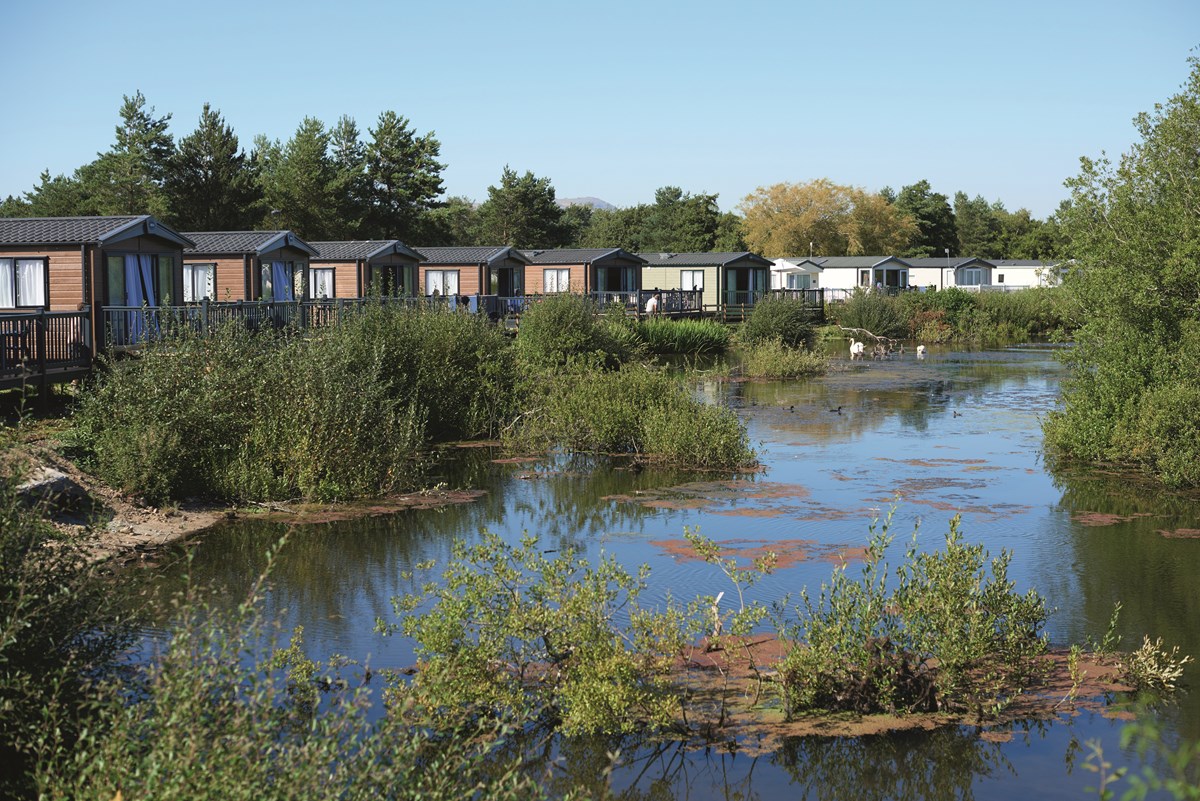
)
(686, 337)
(336, 414)
(633, 410)
(773, 359)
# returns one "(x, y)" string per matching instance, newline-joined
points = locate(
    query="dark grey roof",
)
(245, 242)
(580, 255)
(702, 259)
(364, 249)
(955, 261)
(801, 261)
(82, 230)
(860, 261)
(1023, 263)
(478, 255)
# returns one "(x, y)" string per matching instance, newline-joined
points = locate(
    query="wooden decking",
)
(40, 348)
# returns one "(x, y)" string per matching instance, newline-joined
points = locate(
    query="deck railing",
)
(34, 344)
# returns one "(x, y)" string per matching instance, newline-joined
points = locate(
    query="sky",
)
(615, 99)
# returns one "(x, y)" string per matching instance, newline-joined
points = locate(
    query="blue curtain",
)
(146, 268)
(281, 281)
(135, 325)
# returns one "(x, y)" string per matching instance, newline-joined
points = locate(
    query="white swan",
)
(856, 349)
(920, 351)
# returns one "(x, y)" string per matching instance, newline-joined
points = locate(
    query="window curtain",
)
(31, 282)
(8, 297)
(281, 281)
(322, 284)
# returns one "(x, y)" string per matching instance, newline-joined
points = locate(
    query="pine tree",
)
(210, 181)
(404, 178)
(128, 179)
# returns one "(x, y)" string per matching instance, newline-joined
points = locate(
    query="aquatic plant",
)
(771, 358)
(634, 410)
(687, 337)
(952, 634)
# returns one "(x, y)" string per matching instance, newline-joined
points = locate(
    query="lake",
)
(954, 433)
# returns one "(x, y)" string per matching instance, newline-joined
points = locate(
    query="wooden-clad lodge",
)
(605, 273)
(246, 265)
(57, 274)
(496, 271)
(355, 269)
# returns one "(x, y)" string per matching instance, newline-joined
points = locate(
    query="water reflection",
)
(955, 433)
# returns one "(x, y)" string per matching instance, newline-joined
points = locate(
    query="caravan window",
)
(23, 283)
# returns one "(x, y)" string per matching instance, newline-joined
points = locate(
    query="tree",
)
(351, 185)
(875, 226)
(680, 222)
(729, 237)
(128, 179)
(979, 232)
(455, 222)
(59, 196)
(1133, 230)
(616, 228)
(299, 182)
(210, 181)
(936, 229)
(522, 212)
(404, 178)
(576, 220)
(830, 219)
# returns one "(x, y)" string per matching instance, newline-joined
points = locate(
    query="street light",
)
(947, 263)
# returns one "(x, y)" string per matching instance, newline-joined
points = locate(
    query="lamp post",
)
(947, 272)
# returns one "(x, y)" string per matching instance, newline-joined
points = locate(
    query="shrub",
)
(339, 413)
(772, 359)
(1164, 435)
(551, 623)
(952, 635)
(562, 328)
(210, 718)
(633, 410)
(58, 630)
(779, 318)
(876, 312)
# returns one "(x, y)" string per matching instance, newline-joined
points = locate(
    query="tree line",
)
(334, 182)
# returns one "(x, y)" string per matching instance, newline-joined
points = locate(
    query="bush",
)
(876, 312)
(211, 718)
(339, 413)
(773, 359)
(952, 635)
(785, 319)
(633, 410)
(59, 629)
(562, 328)
(1164, 435)
(551, 622)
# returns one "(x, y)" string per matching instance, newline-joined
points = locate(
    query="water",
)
(956, 433)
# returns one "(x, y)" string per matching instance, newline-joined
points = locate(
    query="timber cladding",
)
(66, 272)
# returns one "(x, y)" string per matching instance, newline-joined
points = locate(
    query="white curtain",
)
(451, 282)
(433, 282)
(31, 282)
(8, 297)
(199, 282)
(322, 284)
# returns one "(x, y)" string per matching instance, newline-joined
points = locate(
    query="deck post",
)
(204, 316)
(41, 360)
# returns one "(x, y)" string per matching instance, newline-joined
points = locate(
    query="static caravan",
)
(944, 272)
(848, 272)
(1026, 273)
(796, 273)
(355, 269)
(246, 265)
(721, 279)
(604, 272)
(496, 271)
(67, 263)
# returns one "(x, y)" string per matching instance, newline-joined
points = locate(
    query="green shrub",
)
(951, 635)
(1164, 435)
(59, 629)
(563, 328)
(341, 412)
(551, 622)
(633, 410)
(688, 337)
(210, 718)
(876, 312)
(772, 359)
(785, 319)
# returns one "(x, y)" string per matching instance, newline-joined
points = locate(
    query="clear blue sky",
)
(614, 99)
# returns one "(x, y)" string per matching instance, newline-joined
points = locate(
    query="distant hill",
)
(594, 202)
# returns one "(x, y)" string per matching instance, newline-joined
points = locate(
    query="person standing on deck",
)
(652, 305)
